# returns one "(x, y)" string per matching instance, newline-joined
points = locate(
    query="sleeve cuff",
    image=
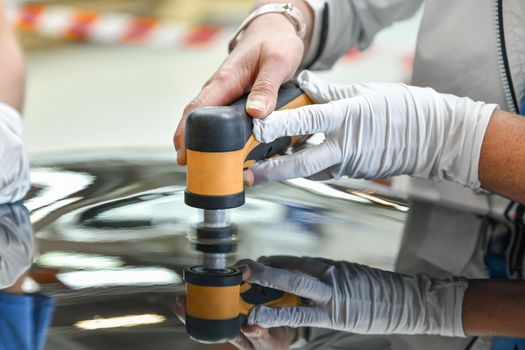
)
(317, 7)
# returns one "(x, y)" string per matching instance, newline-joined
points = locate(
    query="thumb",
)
(263, 96)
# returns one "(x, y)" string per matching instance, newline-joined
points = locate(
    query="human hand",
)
(252, 337)
(355, 298)
(377, 131)
(267, 55)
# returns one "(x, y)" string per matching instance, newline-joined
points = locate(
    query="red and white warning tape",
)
(109, 28)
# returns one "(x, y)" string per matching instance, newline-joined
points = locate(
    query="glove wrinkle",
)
(377, 130)
(355, 298)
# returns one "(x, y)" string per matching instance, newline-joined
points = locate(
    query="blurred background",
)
(118, 73)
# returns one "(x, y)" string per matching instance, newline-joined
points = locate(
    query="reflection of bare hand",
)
(252, 337)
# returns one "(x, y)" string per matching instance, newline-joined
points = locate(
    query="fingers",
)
(253, 337)
(323, 175)
(301, 316)
(263, 95)
(241, 342)
(310, 266)
(287, 281)
(307, 120)
(321, 91)
(304, 163)
(226, 85)
(258, 338)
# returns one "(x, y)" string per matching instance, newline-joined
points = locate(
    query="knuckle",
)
(265, 85)
(223, 75)
(196, 102)
(228, 81)
(277, 57)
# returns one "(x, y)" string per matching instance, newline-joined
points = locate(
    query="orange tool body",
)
(220, 144)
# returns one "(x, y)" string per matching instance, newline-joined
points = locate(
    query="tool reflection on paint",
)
(119, 277)
(120, 322)
(56, 258)
(220, 145)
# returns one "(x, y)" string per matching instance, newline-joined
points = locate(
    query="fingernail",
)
(258, 103)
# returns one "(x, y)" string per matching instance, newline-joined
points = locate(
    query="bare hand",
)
(268, 54)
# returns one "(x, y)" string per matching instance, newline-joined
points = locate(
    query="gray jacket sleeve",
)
(14, 165)
(342, 24)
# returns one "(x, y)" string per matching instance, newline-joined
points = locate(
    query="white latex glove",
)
(356, 298)
(14, 166)
(377, 131)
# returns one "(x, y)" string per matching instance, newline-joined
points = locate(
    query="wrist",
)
(443, 303)
(468, 123)
(305, 9)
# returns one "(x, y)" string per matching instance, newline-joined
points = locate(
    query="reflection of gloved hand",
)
(377, 131)
(14, 166)
(252, 337)
(16, 243)
(356, 298)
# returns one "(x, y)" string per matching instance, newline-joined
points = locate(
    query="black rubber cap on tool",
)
(224, 232)
(199, 275)
(213, 331)
(227, 128)
(214, 202)
(216, 248)
(218, 129)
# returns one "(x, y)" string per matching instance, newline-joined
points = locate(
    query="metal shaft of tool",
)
(215, 219)
(214, 261)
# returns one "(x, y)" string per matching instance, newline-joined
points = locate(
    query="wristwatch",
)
(292, 13)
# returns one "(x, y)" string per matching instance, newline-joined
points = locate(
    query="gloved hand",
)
(377, 131)
(356, 298)
(251, 337)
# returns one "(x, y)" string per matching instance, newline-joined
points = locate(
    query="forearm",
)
(494, 308)
(12, 77)
(501, 165)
